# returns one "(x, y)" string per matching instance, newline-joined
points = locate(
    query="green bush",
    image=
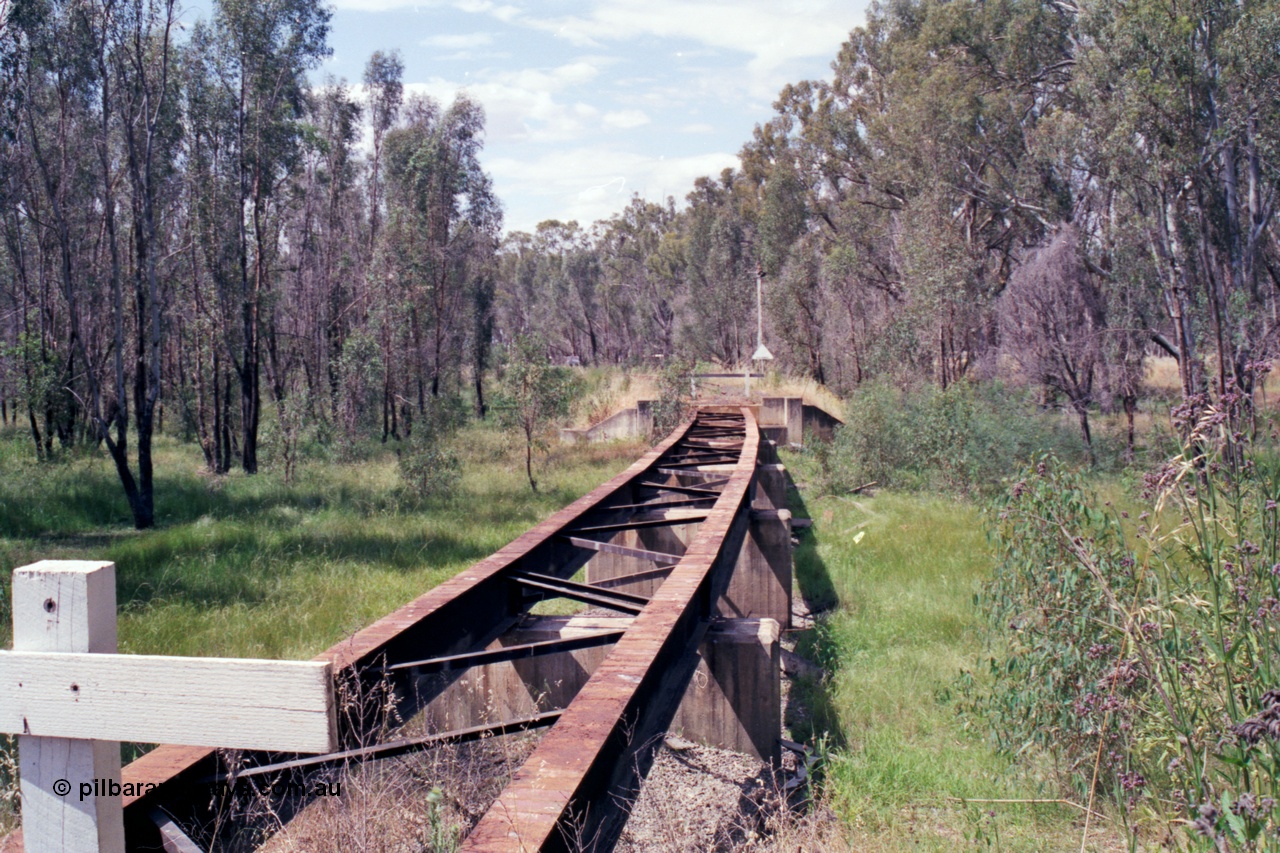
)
(672, 406)
(964, 439)
(535, 396)
(429, 467)
(1058, 634)
(1143, 653)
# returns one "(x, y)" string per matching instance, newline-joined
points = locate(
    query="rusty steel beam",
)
(634, 577)
(625, 551)
(392, 749)
(683, 490)
(508, 653)
(699, 450)
(639, 525)
(587, 594)
(721, 459)
(717, 475)
(569, 794)
(660, 503)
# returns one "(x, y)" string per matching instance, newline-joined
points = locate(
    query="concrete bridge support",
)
(771, 487)
(760, 587)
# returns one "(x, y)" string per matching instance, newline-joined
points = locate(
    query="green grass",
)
(900, 628)
(256, 567)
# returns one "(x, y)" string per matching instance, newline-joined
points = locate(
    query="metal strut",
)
(587, 594)
(508, 653)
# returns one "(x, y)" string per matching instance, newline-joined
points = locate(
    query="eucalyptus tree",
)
(565, 281)
(918, 174)
(443, 222)
(333, 176)
(260, 54)
(537, 394)
(55, 190)
(384, 86)
(139, 57)
(205, 318)
(641, 293)
(91, 150)
(312, 314)
(1053, 320)
(719, 237)
(1178, 115)
(519, 295)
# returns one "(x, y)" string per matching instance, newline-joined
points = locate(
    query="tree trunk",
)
(1130, 408)
(528, 460)
(1083, 414)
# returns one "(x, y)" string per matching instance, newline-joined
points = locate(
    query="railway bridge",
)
(687, 559)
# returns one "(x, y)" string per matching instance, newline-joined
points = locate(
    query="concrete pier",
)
(760, 587)
(735, 698)
(782, 419)
(771, 487)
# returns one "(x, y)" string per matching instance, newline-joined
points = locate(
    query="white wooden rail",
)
(71, 699)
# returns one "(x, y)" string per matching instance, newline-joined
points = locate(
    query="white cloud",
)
(520, 106)
(540, 80)
(772, 33)
(590, 183)
(380, 5)
(472, 56)
(458, 41)
(526, 105)
(624, 119)
(560, 120)
(505, 13)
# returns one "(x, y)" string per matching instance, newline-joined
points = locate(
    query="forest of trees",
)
(1039, 189)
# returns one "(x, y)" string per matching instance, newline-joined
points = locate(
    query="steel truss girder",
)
(583, 772)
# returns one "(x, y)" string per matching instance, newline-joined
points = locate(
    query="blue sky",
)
(591, 100)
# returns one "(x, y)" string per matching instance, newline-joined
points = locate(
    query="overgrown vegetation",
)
(1138, 647)
(1041, 193)
(891, 578)
(429, 463)
(963, 440)
(672, 403)
(1035, 193)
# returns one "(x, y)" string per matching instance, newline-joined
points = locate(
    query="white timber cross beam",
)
(71, 699)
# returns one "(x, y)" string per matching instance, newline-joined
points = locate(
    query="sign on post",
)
(71, 699)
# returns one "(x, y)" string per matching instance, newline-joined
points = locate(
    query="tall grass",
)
(254, 566)
(902, 770)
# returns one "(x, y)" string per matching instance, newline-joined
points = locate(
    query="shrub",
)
(429, 467)
(535, 395)
(1143, 654)
(672, 406)
(1058, 604)
(965, 439)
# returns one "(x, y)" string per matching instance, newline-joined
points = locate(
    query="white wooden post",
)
(65, 606)
(71, 700)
